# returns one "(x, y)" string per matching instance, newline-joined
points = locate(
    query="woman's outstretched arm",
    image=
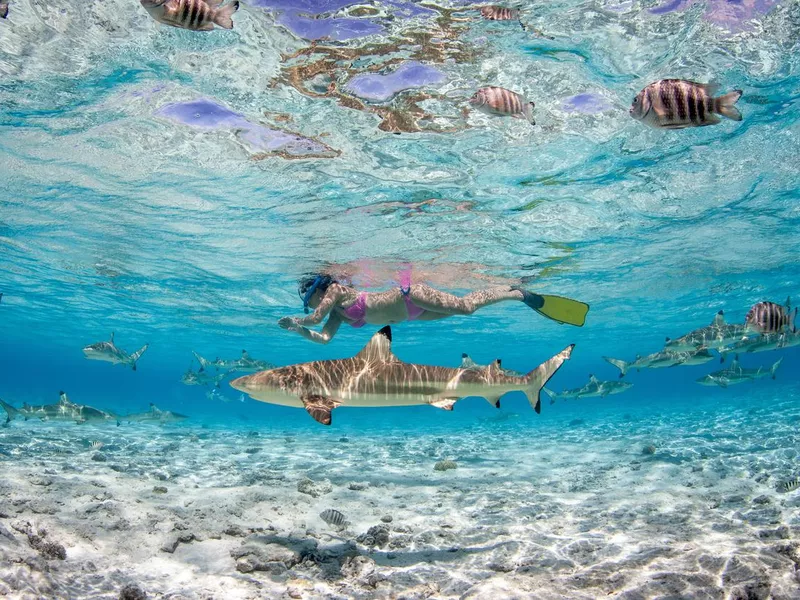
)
(322, 337)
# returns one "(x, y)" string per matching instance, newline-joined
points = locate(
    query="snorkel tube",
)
(319, 280)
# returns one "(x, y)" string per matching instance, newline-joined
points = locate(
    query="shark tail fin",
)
(620, 364)
(775, 367)
(203, 362)
(11, 412)
(136, 355)
(542, 374)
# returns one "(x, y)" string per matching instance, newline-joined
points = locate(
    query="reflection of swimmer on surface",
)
(417, 302)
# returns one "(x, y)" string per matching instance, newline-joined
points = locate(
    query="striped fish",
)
(196, 15)
(768, 317)
(97, 445)
(676, 104)
(333, 518)
(499, 13)
(499, 101)
(790, 486)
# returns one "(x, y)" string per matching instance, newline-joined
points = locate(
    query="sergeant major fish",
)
(108, 352)
(593, 388)
(376, 377)
(676, 104)
(737, 374)
(499, 13)
(768, 317)
(196, 15)
(499, 101)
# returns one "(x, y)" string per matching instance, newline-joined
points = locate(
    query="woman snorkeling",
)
(417, 302)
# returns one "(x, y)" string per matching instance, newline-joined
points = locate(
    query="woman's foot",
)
(535, 301)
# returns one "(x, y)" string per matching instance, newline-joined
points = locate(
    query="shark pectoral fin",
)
(722, 383)
(444, 403)
(320, 407)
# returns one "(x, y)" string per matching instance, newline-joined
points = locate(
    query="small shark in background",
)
(244, 364)
(762, 343)
(660, 360)
(201, 378)
(108, 352)
(154, 415)
(65, 410)
(468, 363)
(737, 374)
(376, 377)
(592, 389)
(718, 334)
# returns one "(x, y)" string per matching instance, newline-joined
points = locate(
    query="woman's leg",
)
(445, 304)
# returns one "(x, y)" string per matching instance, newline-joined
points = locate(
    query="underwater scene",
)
(399, 299)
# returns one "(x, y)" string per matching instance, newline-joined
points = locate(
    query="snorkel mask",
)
(318, 280)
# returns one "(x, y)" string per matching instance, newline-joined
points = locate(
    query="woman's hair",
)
(321, 280)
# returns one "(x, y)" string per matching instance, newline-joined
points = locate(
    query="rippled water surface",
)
(173, 187)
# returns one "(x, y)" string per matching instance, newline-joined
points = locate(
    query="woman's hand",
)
(289, 323)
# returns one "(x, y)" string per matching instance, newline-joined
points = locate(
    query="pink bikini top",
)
(357, 311)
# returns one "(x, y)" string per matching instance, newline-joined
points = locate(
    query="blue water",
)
(122, 210)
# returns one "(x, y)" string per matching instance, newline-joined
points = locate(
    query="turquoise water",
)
(172, 187)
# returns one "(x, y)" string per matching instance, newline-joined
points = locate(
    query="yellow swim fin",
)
(557, 308)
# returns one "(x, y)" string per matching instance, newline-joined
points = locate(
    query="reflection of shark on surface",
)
(718, 334)
(108, 352)
(154, 415)
(65, 410)
(468, 363)
(592, 389)
(377, 378)
(244, 364)
(201, 378)
(660, 360)
(736, 374)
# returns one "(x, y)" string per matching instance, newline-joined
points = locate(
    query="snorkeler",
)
(417, 302)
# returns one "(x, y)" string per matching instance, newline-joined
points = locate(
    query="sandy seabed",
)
(685, 505)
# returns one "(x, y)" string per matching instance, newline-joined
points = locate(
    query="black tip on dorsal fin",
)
(464, 355)
(61, 392)
(386, 332)
(499, 362)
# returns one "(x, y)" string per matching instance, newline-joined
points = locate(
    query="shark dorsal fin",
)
(719, 319)
(592, 379)
(735, 363)
(245, 355)
(112, 337)
(379, 348)
(62, 398)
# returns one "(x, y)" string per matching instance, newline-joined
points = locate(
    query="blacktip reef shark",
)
(201, 378)
(763, 343)
(65, 410)
(592, 389)
(108, 352)
(244, 364)
(736, 374)
(154, 415)
(661, 360)
(468, 363)
(377, 378)
(718, 334)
